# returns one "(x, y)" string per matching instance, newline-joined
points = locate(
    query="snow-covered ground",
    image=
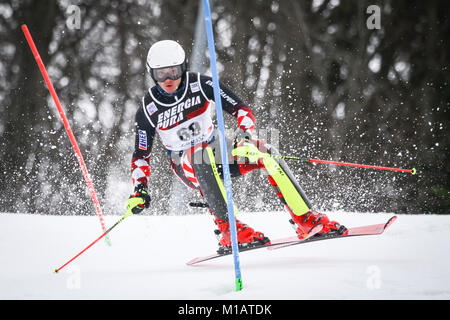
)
(147, 259)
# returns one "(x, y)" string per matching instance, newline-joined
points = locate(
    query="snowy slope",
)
(148, 255)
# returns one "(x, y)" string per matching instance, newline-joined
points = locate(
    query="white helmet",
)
(164, 54)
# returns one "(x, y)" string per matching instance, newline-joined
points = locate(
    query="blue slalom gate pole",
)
(223, 144)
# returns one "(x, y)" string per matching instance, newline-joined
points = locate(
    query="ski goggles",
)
(162, 74)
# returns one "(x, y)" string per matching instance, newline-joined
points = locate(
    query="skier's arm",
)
(140, 163)
(231, 103)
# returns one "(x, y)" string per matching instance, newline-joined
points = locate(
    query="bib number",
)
(186, 134)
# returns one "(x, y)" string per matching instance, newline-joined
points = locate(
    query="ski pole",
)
(412, 171)
(69, 131)
(95, 241)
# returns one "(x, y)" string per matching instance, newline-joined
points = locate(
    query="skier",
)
(179, 108)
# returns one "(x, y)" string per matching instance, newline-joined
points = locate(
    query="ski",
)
(248, 247)
(352, 232)
(312, 236)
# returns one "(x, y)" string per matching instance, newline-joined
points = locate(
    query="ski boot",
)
(304, 223)
(247, 237)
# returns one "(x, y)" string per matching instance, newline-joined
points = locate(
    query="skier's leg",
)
(287, 188)
(279, 174)
(183, 172)
(208, 175)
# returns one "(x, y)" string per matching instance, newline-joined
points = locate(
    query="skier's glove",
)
(139, 200)
(242, 137)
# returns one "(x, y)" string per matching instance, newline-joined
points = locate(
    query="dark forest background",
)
(321, 81)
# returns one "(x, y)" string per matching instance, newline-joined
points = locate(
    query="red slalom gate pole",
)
(348, 164)
(69, 131)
